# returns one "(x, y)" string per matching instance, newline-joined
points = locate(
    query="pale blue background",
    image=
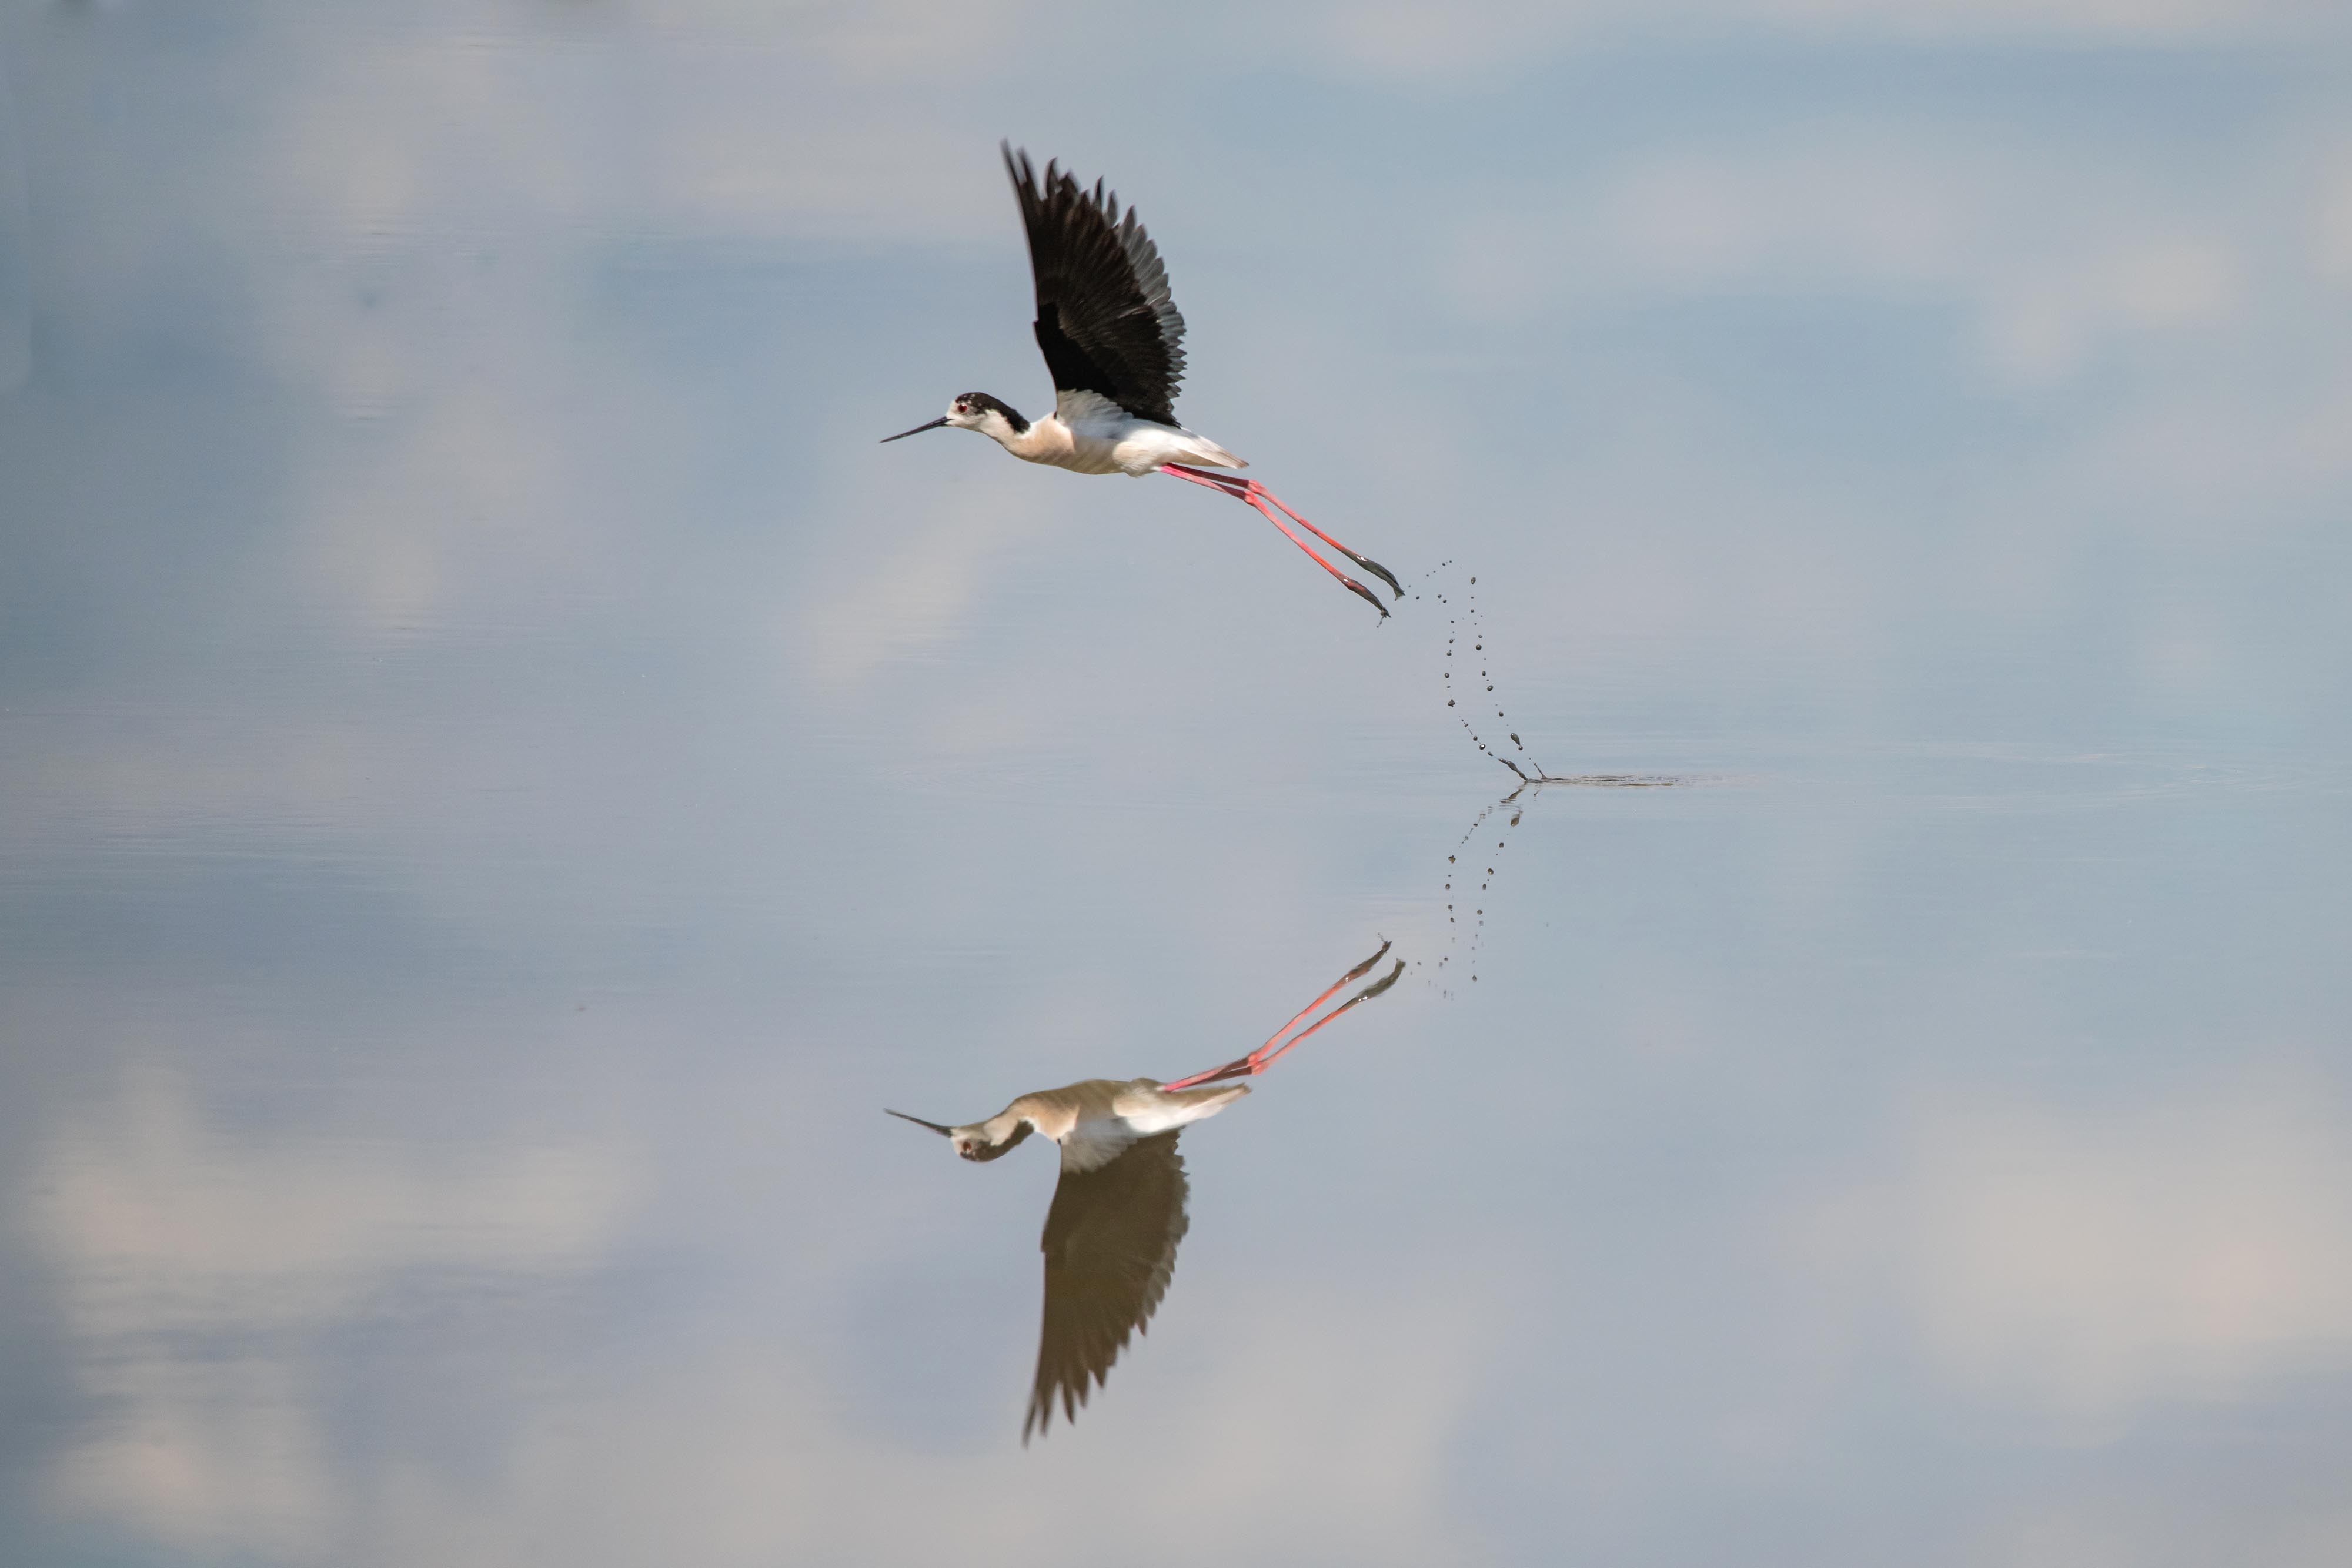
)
(501, 779)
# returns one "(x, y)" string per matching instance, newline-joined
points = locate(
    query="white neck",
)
(1046, 439)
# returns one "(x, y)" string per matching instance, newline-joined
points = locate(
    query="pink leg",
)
(1258, 1060)
(1367, 562)
(1256, 496)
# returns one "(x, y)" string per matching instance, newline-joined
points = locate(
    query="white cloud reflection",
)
(2189, 1247)
(1432, 40)
(2051, 264)
(1315, 1430)
(2091, 1268)
(198, 1272)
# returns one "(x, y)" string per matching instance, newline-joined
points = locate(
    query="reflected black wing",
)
(1104, 322)
(1110, 1249)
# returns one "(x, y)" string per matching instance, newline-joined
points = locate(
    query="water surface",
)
(502, 779)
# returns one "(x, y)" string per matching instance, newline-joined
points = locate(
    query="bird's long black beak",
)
(934, 1126)
(901, 437)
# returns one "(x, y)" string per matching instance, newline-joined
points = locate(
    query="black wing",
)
(1110, 1249)
(1105, 321)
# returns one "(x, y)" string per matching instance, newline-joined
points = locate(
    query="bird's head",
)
(992, 416)
(978, 1142)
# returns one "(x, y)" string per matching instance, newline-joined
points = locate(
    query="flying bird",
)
(1113, 341)
(1119, 1209)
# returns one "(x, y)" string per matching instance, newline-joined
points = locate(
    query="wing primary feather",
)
(1111, 1251)
(1105, 321)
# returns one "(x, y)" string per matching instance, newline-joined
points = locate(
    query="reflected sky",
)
(501, 779)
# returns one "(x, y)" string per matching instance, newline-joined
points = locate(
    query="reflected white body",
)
(1087, 434)
(1094, 1121)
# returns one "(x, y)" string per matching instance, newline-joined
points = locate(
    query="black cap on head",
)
(977, 402)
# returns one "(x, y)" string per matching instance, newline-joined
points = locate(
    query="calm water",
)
(502, 779)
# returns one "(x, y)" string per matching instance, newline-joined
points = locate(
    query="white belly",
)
(1090, 454)
(1091, 434)
(1094, 1140)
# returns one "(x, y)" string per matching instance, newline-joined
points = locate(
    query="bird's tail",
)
(1208, 453)
(1196, 1103)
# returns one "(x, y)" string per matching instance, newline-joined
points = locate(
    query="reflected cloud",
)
(2090, 1264)
(1427, 39)
(162, 1222)
(2052, 276)
(1119, 1209)
(920, 595)
(16, 312)
(1279, 1443)
(187, 1255)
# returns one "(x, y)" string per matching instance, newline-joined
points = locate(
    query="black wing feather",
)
(1105, 321)
(1110, 1249)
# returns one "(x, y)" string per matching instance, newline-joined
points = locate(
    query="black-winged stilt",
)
(1115, 343)
(1119, 1209)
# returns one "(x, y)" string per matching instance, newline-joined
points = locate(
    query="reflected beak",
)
(934, 1126)
(887, 441)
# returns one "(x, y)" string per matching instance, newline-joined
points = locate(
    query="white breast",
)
(1088, 434)
(1138, 1111)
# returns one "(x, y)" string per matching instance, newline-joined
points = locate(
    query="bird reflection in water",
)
(1119, 1209)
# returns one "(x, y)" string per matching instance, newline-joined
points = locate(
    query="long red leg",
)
(1255, 495)
(1258, 1060)
(1367, 994)
(1367, 562)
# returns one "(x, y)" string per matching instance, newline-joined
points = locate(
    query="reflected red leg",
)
(1258, 1060)
(1249, 491)
(1367, 994)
